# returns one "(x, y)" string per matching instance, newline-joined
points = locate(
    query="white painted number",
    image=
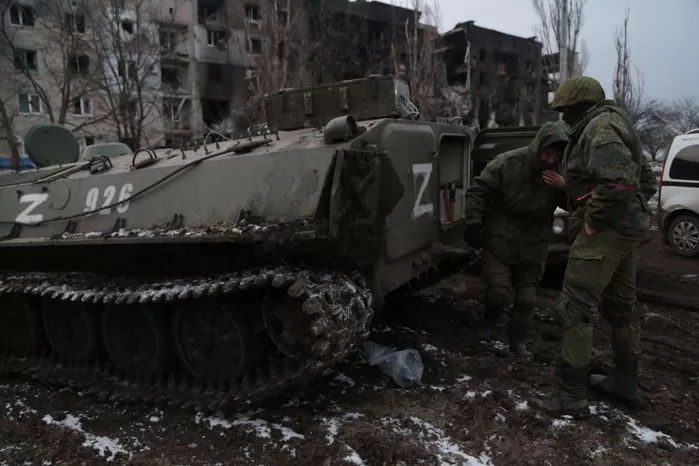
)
(124, 194)
(34, 201)
(91, 201)
(421, 182)
(108, 195)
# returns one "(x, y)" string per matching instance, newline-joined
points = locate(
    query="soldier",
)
(509, 212)
(608, 181)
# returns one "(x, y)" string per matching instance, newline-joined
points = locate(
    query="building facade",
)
(500, 76)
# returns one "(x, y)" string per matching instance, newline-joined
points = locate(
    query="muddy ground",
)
(474, 405)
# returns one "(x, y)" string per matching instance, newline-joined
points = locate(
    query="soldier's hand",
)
(554, 179)
(473, 235)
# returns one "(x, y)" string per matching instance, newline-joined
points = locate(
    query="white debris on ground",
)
(353, 457)
(495, 344)
(18, 410)
(106, 447)
(260, 427)
(648, 435)
(333, 425)
(522, 406)
(436, 441)
(562, 422)
(429, 348)
(463, 379)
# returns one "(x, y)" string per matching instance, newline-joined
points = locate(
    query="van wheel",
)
(684, 235)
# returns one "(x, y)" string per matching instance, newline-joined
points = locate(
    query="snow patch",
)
(262, 428)
(448, 451)
(463, 378)
(334, 424)
(429, 348)
(105, 446)
(353, 457)
(522, 406)
(561, 423)
(496, 345)
(647, 435)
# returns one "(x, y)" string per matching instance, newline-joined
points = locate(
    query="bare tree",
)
(42, 47)
(7, 116)
(278, 49)
(549, 30)
(656, 131)
(417, 57)
(127, 49)
(684, 115)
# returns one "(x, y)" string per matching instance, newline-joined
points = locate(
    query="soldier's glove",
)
(473, 235)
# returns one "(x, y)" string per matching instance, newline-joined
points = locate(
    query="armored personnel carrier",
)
(227, 272)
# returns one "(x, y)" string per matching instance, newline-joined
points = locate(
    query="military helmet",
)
(576, 90)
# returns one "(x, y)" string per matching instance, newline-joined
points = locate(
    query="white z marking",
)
(421, 174)
(35, 200)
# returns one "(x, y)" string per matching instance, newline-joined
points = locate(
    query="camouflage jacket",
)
(514, 204)
(608, 179)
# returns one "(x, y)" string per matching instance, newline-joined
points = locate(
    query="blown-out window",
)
(685, 166)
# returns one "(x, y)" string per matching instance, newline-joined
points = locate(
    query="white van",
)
(678, 204)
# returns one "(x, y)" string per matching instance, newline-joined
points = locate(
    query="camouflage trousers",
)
(600, 279)
(510, 286)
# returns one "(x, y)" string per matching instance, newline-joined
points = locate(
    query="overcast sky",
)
(663, 36)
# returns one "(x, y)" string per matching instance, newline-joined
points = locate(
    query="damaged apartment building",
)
(197, 59)
(498, 78)
(208, 58)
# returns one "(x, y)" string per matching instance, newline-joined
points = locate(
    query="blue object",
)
(24, 163)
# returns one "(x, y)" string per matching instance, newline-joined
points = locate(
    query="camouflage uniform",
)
(515, 207)
(608, 182)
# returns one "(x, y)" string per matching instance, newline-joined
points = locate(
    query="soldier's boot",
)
(525, 302)
(571, 398)
(498, 301)
(623, 383)
(517, 334)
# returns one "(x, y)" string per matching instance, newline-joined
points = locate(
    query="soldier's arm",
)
(648, 184)
(612, 168)
(483, 192)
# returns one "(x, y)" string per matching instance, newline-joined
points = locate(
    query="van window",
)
(686, 164)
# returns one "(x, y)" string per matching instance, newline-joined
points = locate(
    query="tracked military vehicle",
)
(230, 271)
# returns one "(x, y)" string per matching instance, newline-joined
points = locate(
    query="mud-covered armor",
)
(209, 275)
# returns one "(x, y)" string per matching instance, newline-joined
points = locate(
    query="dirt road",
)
(474, 406)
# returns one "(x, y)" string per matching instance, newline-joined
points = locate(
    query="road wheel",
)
(684, 235)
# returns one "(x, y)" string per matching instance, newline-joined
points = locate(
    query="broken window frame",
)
(80, 65)
(211, 37)
(75, 23)
(127, 26)
(170, 111)
(22, 16)
(177, 82)
(127, 69)
(252, 13)
(250, 45)
(83, 105)
(209, 11)
(31, 102)
(22, 61)
(168, 39)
